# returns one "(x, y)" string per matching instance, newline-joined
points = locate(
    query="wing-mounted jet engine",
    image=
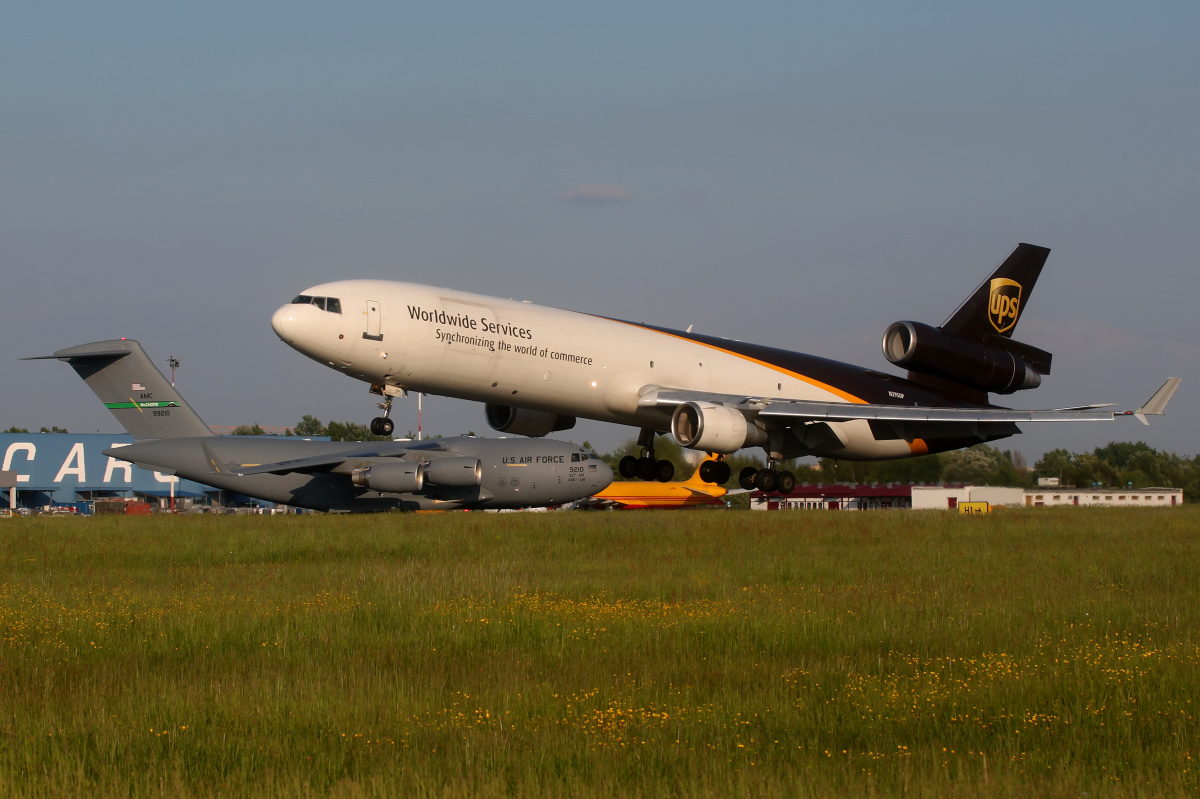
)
(525, 422)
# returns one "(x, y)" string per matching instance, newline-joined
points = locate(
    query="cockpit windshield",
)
(331, 304)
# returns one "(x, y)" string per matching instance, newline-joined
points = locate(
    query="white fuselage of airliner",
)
(440, 341)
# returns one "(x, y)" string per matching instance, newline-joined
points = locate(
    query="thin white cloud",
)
(596, 194)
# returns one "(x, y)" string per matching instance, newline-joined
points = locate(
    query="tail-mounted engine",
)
(714, 428)
(994, 363)
(524, 422)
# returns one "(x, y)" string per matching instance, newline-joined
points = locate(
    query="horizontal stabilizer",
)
(1157, 404)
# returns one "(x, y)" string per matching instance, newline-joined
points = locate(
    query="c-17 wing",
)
(330, 462)
(793, 411)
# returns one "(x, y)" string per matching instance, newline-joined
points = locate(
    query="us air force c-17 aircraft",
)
(539, 368)
(444, 473)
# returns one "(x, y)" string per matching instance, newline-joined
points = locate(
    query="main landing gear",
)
(646, 467)
(382, 425)
(717, 471)
(649, 468)
(767, 479)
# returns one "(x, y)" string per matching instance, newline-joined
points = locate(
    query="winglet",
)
(1157, 404)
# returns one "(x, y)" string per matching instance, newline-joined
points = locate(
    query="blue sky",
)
(789, 174)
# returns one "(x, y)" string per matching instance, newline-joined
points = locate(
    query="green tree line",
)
(310, 425)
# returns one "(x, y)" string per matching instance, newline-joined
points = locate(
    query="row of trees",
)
(1121, 463)
(310, 425)
(1118, 463)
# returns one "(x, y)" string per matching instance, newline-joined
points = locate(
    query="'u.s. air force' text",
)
(514, 459)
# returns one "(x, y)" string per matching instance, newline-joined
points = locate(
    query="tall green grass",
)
(1033, 652)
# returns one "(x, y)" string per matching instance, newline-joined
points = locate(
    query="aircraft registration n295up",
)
(538, 368)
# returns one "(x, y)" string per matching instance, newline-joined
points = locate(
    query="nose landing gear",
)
(382, 425)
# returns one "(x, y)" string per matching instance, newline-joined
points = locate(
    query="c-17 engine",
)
(458, 472)
(411, 477)
(401, 477)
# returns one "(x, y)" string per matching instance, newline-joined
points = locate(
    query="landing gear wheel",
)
(628, 467)
(708, 472)
(646, 469)
(766, 480)
(723, 473)
(747, 477)
(786, 482)
(664, 471)
(382, 426)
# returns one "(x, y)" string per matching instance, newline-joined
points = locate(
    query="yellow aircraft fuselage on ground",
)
(679, 494)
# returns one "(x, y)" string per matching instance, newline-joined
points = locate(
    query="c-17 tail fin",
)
(129, 385)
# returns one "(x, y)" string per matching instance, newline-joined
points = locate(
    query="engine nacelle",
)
(714, 428)
(927, 350)
(454, 471)
(401, 477)
(524, 422)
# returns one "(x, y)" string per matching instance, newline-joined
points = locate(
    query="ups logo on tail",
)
(1004, 304)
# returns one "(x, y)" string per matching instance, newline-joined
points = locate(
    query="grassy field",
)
(1048, 652)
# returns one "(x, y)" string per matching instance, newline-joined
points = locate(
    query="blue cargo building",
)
(67, 469)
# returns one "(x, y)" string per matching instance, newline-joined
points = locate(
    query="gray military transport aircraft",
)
(444, 473)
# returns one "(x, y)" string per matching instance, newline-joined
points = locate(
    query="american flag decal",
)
(137, 387)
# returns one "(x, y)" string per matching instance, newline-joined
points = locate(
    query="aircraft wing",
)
(329, 462)
(792, 411)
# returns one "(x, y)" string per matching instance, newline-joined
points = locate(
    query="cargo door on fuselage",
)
(374, 327)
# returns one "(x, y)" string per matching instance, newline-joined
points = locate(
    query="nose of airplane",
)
(604, 474)
(280, 323)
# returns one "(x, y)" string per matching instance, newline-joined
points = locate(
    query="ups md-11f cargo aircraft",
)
(443, 473)
(539, 368)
